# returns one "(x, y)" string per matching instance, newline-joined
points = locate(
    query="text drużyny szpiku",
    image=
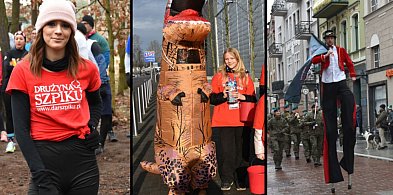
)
(58, 96)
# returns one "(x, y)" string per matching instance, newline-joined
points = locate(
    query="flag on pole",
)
(293, 94)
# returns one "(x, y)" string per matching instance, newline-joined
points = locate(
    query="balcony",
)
(328, 8)
(275, 50)
(279, 8)
(303, 30)
(293, 1)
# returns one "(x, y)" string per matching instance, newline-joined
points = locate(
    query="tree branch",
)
(106, 10)
(91, 3)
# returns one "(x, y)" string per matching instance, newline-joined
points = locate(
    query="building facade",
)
(239, 30)
(379, 58)
(293, 26)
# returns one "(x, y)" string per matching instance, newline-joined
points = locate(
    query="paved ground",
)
(372, 175)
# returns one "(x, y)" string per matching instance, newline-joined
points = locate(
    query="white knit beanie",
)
(56, 10)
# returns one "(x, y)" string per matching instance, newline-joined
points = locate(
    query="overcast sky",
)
(269, 8)
(148, 18)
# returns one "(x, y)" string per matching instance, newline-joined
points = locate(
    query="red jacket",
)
(343, 57)
(222, 116)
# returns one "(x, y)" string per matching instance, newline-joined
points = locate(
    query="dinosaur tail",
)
(150, 167)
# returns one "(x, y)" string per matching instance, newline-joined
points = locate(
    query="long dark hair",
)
(37, 52)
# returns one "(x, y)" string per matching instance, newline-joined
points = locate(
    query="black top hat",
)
(329, 33)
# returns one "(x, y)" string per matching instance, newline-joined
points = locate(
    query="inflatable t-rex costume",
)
(184, 152)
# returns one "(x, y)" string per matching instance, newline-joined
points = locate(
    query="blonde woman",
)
(230, 86)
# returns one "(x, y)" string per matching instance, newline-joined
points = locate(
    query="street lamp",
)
(227, 2)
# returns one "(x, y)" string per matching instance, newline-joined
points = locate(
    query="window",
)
(343, 36)
(294, 24)
(375, 56)
(308, 11)
(287, 33)
(355, 32)
(290, 28)
(374, 5)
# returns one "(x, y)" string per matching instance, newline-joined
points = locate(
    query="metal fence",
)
(140, 101)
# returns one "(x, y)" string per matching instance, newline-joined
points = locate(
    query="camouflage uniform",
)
(277, 128)
(287, 147)
(269, 143)
(295, 130)
(316, 138)
(306, 128)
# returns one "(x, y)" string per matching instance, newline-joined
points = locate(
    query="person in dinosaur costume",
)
(184, 152)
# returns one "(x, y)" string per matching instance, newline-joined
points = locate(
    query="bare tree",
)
(212, 47)
(156, 47)
(251, 7)
(226, 20)
(137, 60)
(34, 10)
(15, 16)
(4, 40)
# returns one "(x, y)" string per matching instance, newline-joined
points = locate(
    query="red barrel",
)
(256, 175)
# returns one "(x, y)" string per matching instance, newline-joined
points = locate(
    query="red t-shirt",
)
(222, 115)
(58, 104)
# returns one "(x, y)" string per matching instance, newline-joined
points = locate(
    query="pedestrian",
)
(230, 85)
(55, 99)
(359, 119)
(333, 88)
(381, 124)
(81, 41)
(3, 132)
(127, 61)
(11, 58)
(295, 130)
(259, 120)
(390, 122)
(105, 90)
(33, 34)
(278, 129)
(92, 34)
(287, 147)
(306, 123)
(316, 137)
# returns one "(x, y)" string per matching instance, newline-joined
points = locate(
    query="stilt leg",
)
(349, 181)
(332, 188)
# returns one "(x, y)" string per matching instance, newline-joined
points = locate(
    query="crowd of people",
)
(55, 92)
(285, 128)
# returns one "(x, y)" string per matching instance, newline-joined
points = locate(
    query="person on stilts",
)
(333, 88)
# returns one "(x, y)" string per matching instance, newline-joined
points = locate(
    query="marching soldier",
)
(306, 126)
(316, 138)
(287, 115)
(295, 130)
(277, 128)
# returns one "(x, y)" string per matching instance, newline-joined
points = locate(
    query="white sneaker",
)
(10, 147)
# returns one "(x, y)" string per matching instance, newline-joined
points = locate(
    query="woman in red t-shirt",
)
(231, 86)
(56, 101)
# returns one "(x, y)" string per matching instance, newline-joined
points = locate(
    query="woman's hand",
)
(238, 95)
(261, 156)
